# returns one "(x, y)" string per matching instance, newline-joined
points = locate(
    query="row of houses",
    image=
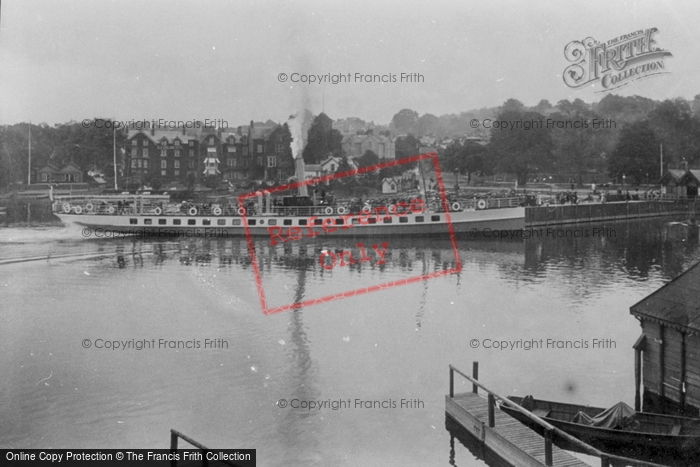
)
(254, 152)
(258, 151)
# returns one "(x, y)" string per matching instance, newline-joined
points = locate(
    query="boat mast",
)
(114, 149)
(29, 170)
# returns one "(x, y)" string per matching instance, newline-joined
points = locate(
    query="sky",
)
(221, 60)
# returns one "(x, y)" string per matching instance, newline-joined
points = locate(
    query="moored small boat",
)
(617, 430)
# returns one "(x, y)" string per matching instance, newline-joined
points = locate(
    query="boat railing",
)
(549, 429)
(174, 435)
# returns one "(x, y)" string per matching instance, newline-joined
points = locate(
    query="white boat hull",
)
(475, 223)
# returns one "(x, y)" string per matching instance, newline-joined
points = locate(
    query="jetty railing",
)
(174, 435)
(549, 429)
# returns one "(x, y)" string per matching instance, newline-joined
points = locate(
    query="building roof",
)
(49, 167)
(159, 134)
(691, 174)
(675, 304)
(71, 167)
(672, 175)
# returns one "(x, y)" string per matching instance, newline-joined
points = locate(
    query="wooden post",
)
(173, 446)
(637, 380)
(662, 347)
(452, 382)
(604, 461)
(475, 375)
(492, 407)
(639, 347)
(682, 388)
(548, 447)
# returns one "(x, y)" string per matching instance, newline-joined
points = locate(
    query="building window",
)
(191, 153)
(164, 143)
(177, 173)
(177, 143)
(191, 144)
(162, 173)
(260, 148)
(231, 149)
(163, 153)
(163, 164)
(44, 178)
(145, 143)
(229, 162)
(177, 153)
(231, 140)
(145, 152)
(76, 177)
(134, 152)
(133, 163)
(272, 161)
(211, 141)
(191, 164)
(332, 167)
(134, 142)
(145, 164)
(177, 164)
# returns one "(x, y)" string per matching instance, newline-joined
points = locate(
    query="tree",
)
(578, 143)
(513, 105)
(675, 127)
(367, 159)
(404, 121)
(406, 146)
(542, 106)
(322, 141)
(636, 154)
(467, 158)
(427, 124)
(343, 165)
(519, 149)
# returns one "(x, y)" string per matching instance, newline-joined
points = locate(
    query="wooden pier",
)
(512, 441)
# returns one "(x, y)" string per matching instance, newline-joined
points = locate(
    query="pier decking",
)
(510, 439)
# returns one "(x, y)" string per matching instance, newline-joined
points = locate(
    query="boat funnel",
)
(301, 175)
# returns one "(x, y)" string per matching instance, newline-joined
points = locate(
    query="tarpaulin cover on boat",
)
(616, 417)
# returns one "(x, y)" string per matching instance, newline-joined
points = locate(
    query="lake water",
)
(59, 289)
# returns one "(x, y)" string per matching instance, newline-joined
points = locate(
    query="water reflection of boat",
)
(619, 429)
(686, 230)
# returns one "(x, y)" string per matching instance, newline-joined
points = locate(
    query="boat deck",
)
(509, 439)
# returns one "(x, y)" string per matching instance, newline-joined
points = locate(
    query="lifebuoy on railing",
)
(157, 211)
(66, 207)
(456, 206)
(241, 211)
(342, 210)
(192, 211)
(89, 208)
(392, 208)
(111, 210)
(216, 210)
(481, 204)
(366, 209)
(78, 209)
(328, 211)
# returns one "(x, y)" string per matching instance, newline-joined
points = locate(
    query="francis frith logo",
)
(614, 63)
